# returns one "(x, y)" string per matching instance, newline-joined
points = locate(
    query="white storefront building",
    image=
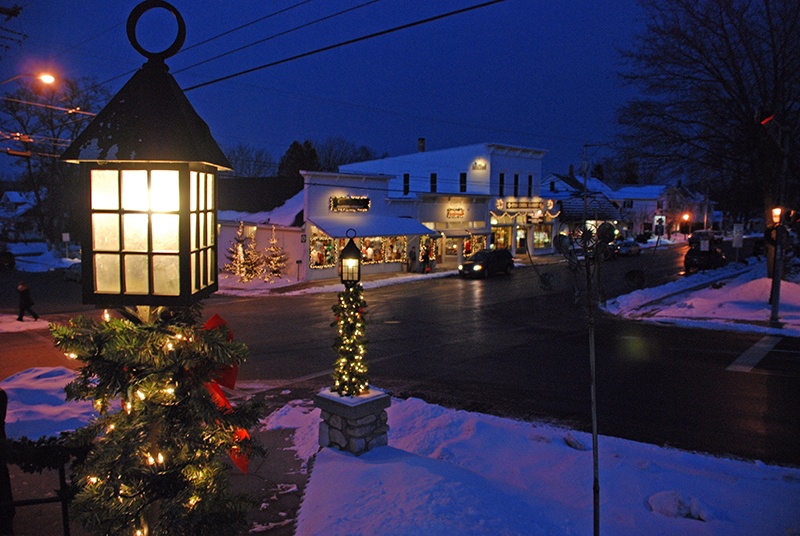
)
(474, 196)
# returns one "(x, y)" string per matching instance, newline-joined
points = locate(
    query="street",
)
(504, 346)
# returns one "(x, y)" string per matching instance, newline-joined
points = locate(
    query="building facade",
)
(475, 196)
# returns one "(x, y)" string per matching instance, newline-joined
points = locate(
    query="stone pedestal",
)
(353, 423)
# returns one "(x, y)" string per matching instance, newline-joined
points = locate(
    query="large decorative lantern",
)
(350, 258)
(149, 176)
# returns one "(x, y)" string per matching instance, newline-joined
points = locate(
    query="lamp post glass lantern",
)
(350, 258)
(148, 170)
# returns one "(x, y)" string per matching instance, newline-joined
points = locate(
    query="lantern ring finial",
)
(350, 230)
(133, 20)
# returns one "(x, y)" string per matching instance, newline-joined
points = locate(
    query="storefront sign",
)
(453, 213)
(523, 204)
(349, 204)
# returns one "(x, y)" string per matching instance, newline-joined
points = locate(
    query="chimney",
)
(421, 145)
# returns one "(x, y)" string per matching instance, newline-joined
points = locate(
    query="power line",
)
(345, 43)
(280, 34)
(227, 32)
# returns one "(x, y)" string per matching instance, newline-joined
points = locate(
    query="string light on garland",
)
(350, 370)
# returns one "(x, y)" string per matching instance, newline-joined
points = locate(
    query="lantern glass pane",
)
(166, 275)
(209, 191)
(212, 265)
(166, 233)
(195, 256)
(211, 234)
(201, 192)
(193, 190)
(135, 194)
(106, 274)
(349, 270)
(165, 190)
(105, 232)
(193, 231)
(105, 189)
(136, 277)
(201, 226)
(134, 232)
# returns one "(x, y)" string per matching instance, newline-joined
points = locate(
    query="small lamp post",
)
(350, 258)
(777, 269)
(354, 416)
(148, 173)
(685, 226)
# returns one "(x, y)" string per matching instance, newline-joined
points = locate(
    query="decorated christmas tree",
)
(244, 259)
(275, 259)
(159, 447)
(350, 370)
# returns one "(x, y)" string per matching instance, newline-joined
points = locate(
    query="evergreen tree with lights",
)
(276, 258)
(158, 448)
(244, 259)
(350, 369)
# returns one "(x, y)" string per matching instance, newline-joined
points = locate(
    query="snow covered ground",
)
(460, 473)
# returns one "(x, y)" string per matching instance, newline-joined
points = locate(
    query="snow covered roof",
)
(650, 191)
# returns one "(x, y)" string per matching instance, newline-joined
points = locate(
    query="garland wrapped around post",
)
(156, 461)
(350, 370)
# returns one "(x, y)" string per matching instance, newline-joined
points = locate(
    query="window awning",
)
(464, 233)
(366, 225)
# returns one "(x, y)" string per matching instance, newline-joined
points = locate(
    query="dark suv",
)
(486, 262)
(702, 256)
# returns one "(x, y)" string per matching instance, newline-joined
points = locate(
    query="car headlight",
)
(460, 267)
(477, 267)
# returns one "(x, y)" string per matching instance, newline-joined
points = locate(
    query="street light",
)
(148, 174)
(350, 258)
(45, 78)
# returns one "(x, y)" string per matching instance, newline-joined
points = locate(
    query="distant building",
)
(16, 222)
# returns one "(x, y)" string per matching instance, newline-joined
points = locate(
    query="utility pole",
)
(592, 367)
(783, 140)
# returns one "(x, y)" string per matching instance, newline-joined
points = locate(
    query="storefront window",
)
(501, 237)
(321, 253)
(541, 235)
(371, 250)
(324, 250)
(474, 243)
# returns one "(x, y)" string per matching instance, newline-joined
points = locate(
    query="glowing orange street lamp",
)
(45, 78)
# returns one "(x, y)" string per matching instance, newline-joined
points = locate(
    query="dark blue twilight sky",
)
(537, 73)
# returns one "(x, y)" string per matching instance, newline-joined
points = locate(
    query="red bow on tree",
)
(226, 377)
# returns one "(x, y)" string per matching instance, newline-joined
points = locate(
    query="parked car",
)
(73, 272)
(698, 259)
(629, 247)
(486, 262)
(7, 260)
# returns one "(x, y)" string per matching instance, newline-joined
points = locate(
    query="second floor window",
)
(433, 183)
(516, 184)
(406, 183)
(530, 185)
(627, 203)
(501, 190)
(462, 183)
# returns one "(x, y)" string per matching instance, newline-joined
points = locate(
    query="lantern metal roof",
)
(150, 119)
